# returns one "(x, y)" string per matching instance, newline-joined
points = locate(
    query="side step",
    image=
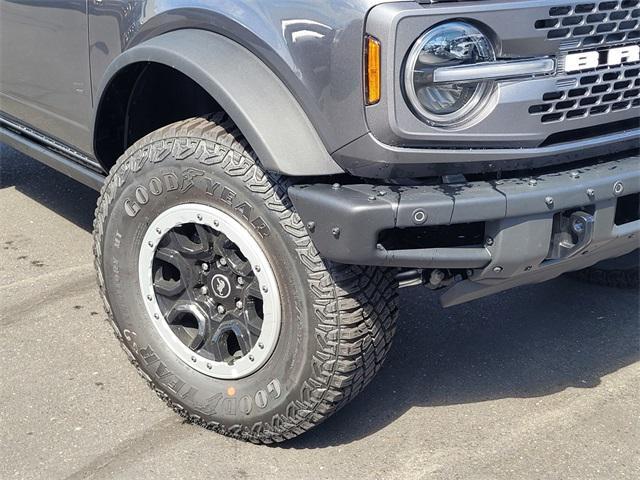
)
(51, 158)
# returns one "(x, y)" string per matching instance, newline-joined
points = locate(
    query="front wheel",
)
(218, 295)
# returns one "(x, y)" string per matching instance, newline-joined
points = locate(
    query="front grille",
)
(591, 93)
(594, 23)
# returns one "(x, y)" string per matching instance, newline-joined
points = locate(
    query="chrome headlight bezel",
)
(478, 93)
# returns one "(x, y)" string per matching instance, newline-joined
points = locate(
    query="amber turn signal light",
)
(372, 74)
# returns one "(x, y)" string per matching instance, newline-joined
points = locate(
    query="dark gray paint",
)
(314, 46)
(44, 67)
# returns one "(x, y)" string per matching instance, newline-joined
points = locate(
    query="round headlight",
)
(447, 45)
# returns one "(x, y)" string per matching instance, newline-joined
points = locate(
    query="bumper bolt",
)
(591, 192)
(489, 241)
(199, 217)
(575, 175)
(533, 182)
(382, 193)
(549, 201)
(216, 223)
(149, 297)
(618, 188)
(158, 231)
(311, 226)
(193, 359)
(419, 216)
(257, 268)
(251, 358)
(336, 186)
(335, 231)
(372, 198)
(528, 269)
(209, 366)
(265, 289)
(260, 345)
(497, 269)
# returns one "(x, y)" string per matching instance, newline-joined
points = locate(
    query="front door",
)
(44, 68)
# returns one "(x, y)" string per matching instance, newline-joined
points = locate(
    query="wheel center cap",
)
(220, 286)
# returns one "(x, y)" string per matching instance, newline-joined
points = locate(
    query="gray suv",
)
(272, 172)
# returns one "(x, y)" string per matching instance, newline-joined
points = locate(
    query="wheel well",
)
(144, 97)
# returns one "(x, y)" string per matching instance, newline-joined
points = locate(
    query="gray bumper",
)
(520, 217)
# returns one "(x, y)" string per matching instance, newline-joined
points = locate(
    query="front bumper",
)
(523, 222)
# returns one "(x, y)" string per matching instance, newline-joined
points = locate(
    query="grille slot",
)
(595, 93)
(593, 23)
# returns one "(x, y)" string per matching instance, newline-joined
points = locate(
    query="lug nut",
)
(260, 345)
(216, 223)
(199, 217)
(204, 290)
(193, 359)
(239, 305)
(251, 358)
(221, 309)
(149, 297)
(205, 267)
(311, 226)
(151, 244)
(240, 281)
(257, 268)
(158, 231)
(265, 289)
(209, 366)
(223, 261)
(156, 316)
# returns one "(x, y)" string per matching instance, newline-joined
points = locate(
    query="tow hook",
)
(571, 235)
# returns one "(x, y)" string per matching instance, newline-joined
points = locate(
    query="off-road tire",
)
(338, 320)
(609, 274)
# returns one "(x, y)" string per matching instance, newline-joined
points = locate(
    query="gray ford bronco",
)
(272, 172)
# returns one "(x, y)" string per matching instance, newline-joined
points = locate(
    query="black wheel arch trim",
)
(263, 108)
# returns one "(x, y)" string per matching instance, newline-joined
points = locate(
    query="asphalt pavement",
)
(539, 382)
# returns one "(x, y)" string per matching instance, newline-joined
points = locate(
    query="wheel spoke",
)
(252, 290)
(239, 266)
(188, 317)
(192, 240)
(171, 273)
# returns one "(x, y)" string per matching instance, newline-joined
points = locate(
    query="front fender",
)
(265, 111)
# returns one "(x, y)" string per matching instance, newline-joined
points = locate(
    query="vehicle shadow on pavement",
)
(52, 189)
(531, 342)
